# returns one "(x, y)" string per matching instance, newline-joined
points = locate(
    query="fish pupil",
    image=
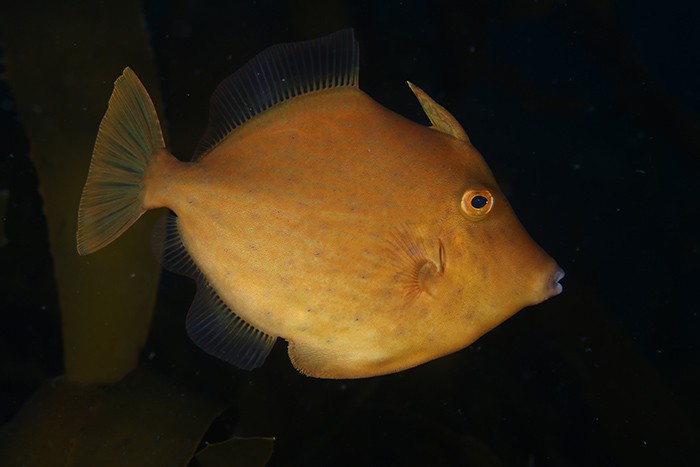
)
(479, 202)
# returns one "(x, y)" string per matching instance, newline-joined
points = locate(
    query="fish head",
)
(488, 267)
(492, 267)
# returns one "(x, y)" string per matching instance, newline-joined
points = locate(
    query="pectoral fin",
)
(419, 262)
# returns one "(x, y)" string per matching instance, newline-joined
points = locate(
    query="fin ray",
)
(277, 74)
(217, 330)
(211, 324)
(168, 247)
(416, 268)
(128, 137)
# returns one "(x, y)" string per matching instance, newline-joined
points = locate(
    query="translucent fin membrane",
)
(168, 247)
(279, 73)
(220, 332)
(211, 324)
(129, 134)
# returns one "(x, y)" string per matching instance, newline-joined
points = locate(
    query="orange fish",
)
(310, 212)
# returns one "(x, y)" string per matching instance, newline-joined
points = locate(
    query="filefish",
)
(311, 213)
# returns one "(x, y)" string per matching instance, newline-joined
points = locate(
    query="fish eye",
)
(476, 204)
(479, 201)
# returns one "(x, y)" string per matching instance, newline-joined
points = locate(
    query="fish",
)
(309, 212)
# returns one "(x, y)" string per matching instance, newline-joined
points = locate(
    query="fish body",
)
(369, 242)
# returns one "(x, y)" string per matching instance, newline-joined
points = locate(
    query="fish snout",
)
(553, 287)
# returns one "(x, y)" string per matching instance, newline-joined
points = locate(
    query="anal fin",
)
(169, 249)
(217, 330)
(211, 324)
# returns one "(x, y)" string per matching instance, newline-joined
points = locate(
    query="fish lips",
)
(553, 285)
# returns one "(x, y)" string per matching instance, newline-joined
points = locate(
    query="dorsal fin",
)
(277, 74)
(440, 118)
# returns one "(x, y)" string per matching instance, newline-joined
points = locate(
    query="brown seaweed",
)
(60, 79)
(146, 419)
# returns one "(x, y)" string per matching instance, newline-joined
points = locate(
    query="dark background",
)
(588, 113)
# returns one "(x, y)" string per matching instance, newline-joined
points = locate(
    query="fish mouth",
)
(554, 287)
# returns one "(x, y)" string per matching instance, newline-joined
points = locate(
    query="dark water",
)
(589, 115)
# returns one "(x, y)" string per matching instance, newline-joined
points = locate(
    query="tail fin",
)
(128, 137)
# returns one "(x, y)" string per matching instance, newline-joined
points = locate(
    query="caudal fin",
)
(128, 137)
